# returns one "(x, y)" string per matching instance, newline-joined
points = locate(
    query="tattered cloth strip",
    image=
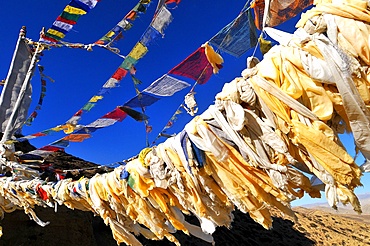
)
(277, 11)
(67, 19)
(237, 37)
(43, 78)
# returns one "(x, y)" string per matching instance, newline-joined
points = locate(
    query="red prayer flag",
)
(39, 134)
(71, 22)
(148, 128)
(117, 114)
(119, 74)
(49, 39)
(99, 42)
(195, 66)
(42, 193)
(51, 148)
(76, 137)
(78, 113)
(172, 1)
(131, 15)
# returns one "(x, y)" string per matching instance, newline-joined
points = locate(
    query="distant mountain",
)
(342, 209)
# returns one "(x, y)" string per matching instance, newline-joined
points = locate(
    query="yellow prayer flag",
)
(95, 98)
(138, 51)
(56, 33)
(73, 10)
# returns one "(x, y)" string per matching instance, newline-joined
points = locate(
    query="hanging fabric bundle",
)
(191, 105)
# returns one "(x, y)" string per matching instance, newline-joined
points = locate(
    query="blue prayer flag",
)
(238, 36)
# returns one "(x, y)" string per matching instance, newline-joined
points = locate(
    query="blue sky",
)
(79, 74)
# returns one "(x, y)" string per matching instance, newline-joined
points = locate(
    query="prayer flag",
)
(76, 137)
(62, 25)
(138, 51)
(134, 114)
(88, 106)
(141, 100)
(100, 123)
(128, 63)
(238, 36)
(166, 86)
(60, 143)
(94, 99)
(162, 19)
(117, 114)
(124, 24)
(149, 36)
(279, 11)
(51, 148)
(90, 3)
(88, 129)
(39, 134)
(172, 1)
(111, 83)
(195, 66)
(119, 74)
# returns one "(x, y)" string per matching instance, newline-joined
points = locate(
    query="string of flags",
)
(123, 25)
(106, 41)
(67, 19)
(196, 66)
(165, 86)
(113, 35)
(235, 39)
(160, 22)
